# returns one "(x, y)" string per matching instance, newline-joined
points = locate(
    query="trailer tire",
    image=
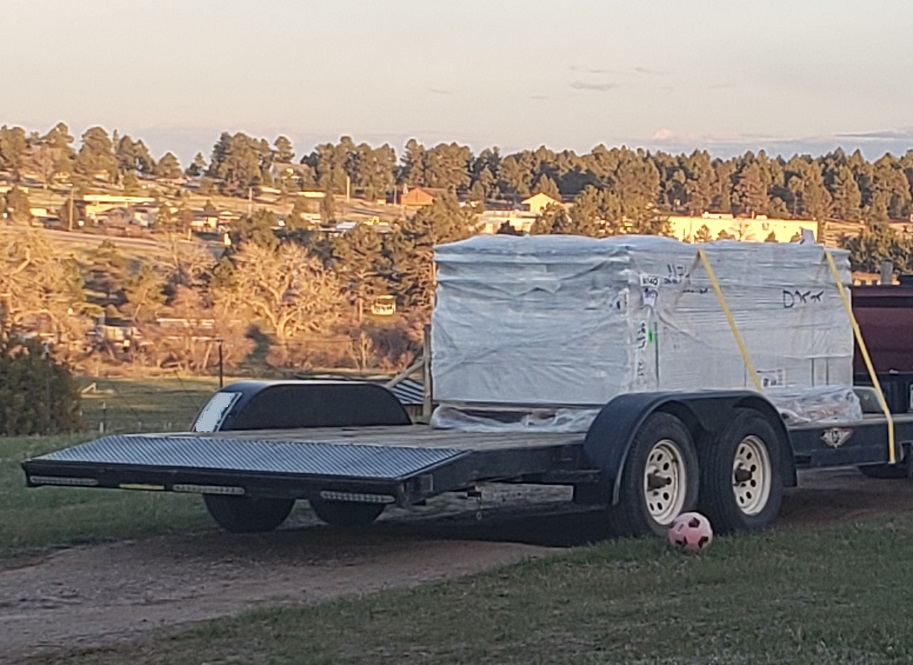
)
(346, 513)
(241, 514)
(661, 456)
(741, 482)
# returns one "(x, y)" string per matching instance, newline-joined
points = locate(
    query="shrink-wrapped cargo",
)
(565, 320)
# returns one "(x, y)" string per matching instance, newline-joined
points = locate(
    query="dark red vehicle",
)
(885, 317)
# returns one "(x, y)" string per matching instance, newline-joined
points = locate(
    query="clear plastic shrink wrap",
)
(568, 321)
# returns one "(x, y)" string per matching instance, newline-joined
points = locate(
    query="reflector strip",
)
(356, 497)
(209, 489)
(60, 480)
(142, 486)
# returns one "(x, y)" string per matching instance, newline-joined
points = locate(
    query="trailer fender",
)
(255, 405)
(611, 434)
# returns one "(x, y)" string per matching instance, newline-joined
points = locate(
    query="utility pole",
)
(221, 374)
(70, 211)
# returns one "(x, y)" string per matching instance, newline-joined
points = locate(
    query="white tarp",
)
(565, 320)
(823, 404)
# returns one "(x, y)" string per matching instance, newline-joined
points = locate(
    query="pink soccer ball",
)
(690, 532)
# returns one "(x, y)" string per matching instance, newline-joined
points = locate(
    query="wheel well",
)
(294, 404)
(611, 434)
(703, 428)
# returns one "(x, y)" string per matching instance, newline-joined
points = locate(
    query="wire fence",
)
(119, 405)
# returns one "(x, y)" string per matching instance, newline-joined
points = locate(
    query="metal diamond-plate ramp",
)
(319, 459)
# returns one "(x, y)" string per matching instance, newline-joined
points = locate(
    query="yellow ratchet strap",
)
(735, 331)
(892, 456)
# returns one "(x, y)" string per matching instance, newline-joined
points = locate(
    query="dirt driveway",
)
(89, 596)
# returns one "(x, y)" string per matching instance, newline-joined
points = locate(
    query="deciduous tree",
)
(282, 286)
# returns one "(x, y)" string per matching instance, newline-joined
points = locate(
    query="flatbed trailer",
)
(350, 450)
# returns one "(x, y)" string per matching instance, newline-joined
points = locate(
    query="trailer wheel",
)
(659, 479)
(241, 514)
(346, 513)
(741, 483)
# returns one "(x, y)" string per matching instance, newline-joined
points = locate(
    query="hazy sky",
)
(725, 75)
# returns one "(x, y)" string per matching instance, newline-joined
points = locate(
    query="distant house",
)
(96, 205)
(539, 202)
(287, 170)
(383, 305)
(421, 196)
(205, 220)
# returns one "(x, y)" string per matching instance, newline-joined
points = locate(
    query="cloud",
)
(440, 91)
(594, 87)
(590, 70)
(903, 134)
(538, 97)
(649, 72)
(719, 86)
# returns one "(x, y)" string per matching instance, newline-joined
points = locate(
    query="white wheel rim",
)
(664, 481)
(751, 475)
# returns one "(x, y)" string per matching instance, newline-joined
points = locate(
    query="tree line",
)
(621, 182)
(298, 296)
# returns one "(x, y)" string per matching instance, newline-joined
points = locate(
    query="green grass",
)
(34, 519)
(144, 405)
(833, 594)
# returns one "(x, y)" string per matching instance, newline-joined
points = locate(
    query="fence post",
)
(427, 400)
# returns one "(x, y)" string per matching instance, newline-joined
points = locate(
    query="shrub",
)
(38, 395)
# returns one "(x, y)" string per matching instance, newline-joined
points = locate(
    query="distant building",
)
(539, 202)
(287, 170)
(491, 221)
(751, 229)
(205, 220)
(384, 305)
(97, 204)
(421, 196)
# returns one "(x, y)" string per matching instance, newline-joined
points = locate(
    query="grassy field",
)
(144, 405)
(48, 517)
(831, 594)
(828, 594)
